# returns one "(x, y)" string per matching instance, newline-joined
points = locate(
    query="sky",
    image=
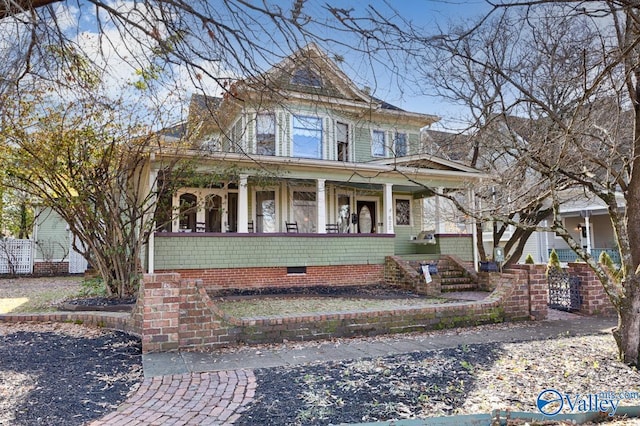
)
(395, 89)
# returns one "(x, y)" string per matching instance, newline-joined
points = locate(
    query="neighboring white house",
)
(53, 246)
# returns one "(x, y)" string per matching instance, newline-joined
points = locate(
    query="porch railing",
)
(568, 255)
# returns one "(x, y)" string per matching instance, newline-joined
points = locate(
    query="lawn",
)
(20, 295)
(277, 306)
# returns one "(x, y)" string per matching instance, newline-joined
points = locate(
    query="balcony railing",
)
(568, 255)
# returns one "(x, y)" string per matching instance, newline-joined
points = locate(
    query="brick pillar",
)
(160, 312)
(531, 293)
(538, 291)
(176, 314)
(594, 300)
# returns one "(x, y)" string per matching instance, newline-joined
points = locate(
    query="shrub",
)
(529, 260)
(93, 287)
(554, 262)
(607, 262)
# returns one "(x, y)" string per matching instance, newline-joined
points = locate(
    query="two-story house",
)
(300, 178)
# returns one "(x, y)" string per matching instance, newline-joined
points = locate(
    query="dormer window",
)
(304, 76)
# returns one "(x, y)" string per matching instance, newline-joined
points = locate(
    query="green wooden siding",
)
(52, 241)
(460, 246)
(201, 252)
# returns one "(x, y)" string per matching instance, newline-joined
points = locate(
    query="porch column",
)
(474, 231)
(387, 202)
(588, 231)
(153, 185)
(321, 203)
(440, 226)
(243, 205)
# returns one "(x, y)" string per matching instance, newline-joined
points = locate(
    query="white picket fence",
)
(16, 256)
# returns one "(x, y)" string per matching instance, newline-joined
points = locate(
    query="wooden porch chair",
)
(333, 228)
(291, 227)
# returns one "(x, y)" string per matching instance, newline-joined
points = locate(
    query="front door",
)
(366, 217)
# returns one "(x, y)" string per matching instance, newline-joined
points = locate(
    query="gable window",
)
(400, 144)
(266, 134)
(342, 141)
(307, 137)
(403, 212)
(377, 143)
(304, 76)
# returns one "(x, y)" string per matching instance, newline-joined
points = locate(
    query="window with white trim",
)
(400, 144)
(378, 143)
(403, 211)
(307, 137)
(342, 141)
(266, 134)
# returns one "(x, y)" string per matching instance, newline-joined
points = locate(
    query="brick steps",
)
(452, 276)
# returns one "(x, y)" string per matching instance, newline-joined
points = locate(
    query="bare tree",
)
(553, 89)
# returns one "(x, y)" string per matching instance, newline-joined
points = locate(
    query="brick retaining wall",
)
(177, 313)
(110, 320)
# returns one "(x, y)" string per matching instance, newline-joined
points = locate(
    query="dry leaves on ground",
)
(464, 380)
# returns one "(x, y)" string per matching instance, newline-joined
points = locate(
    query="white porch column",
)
(321, 204)
(474, 231)
(588, 231)
(440, 225)
(243, 205)
(387, 203)
(153, 185)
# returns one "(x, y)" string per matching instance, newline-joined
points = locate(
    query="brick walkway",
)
(215, 398)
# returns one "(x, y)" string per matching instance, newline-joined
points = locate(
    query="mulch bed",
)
(367, 390)
(64, 374)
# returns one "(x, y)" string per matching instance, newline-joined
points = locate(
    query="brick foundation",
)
(50, 268)
(277, 277)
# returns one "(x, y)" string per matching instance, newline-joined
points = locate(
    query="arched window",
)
(213, 213)
(188, 211)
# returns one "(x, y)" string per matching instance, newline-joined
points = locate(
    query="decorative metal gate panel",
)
(564, 291)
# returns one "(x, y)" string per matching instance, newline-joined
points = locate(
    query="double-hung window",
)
(378, 143)
(342, 141)
(266, 134)
(307, 137)
(400, 147)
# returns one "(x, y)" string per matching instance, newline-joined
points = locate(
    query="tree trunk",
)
(627, 334)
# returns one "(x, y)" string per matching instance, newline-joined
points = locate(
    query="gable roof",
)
(327, 85)
(425, 161)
